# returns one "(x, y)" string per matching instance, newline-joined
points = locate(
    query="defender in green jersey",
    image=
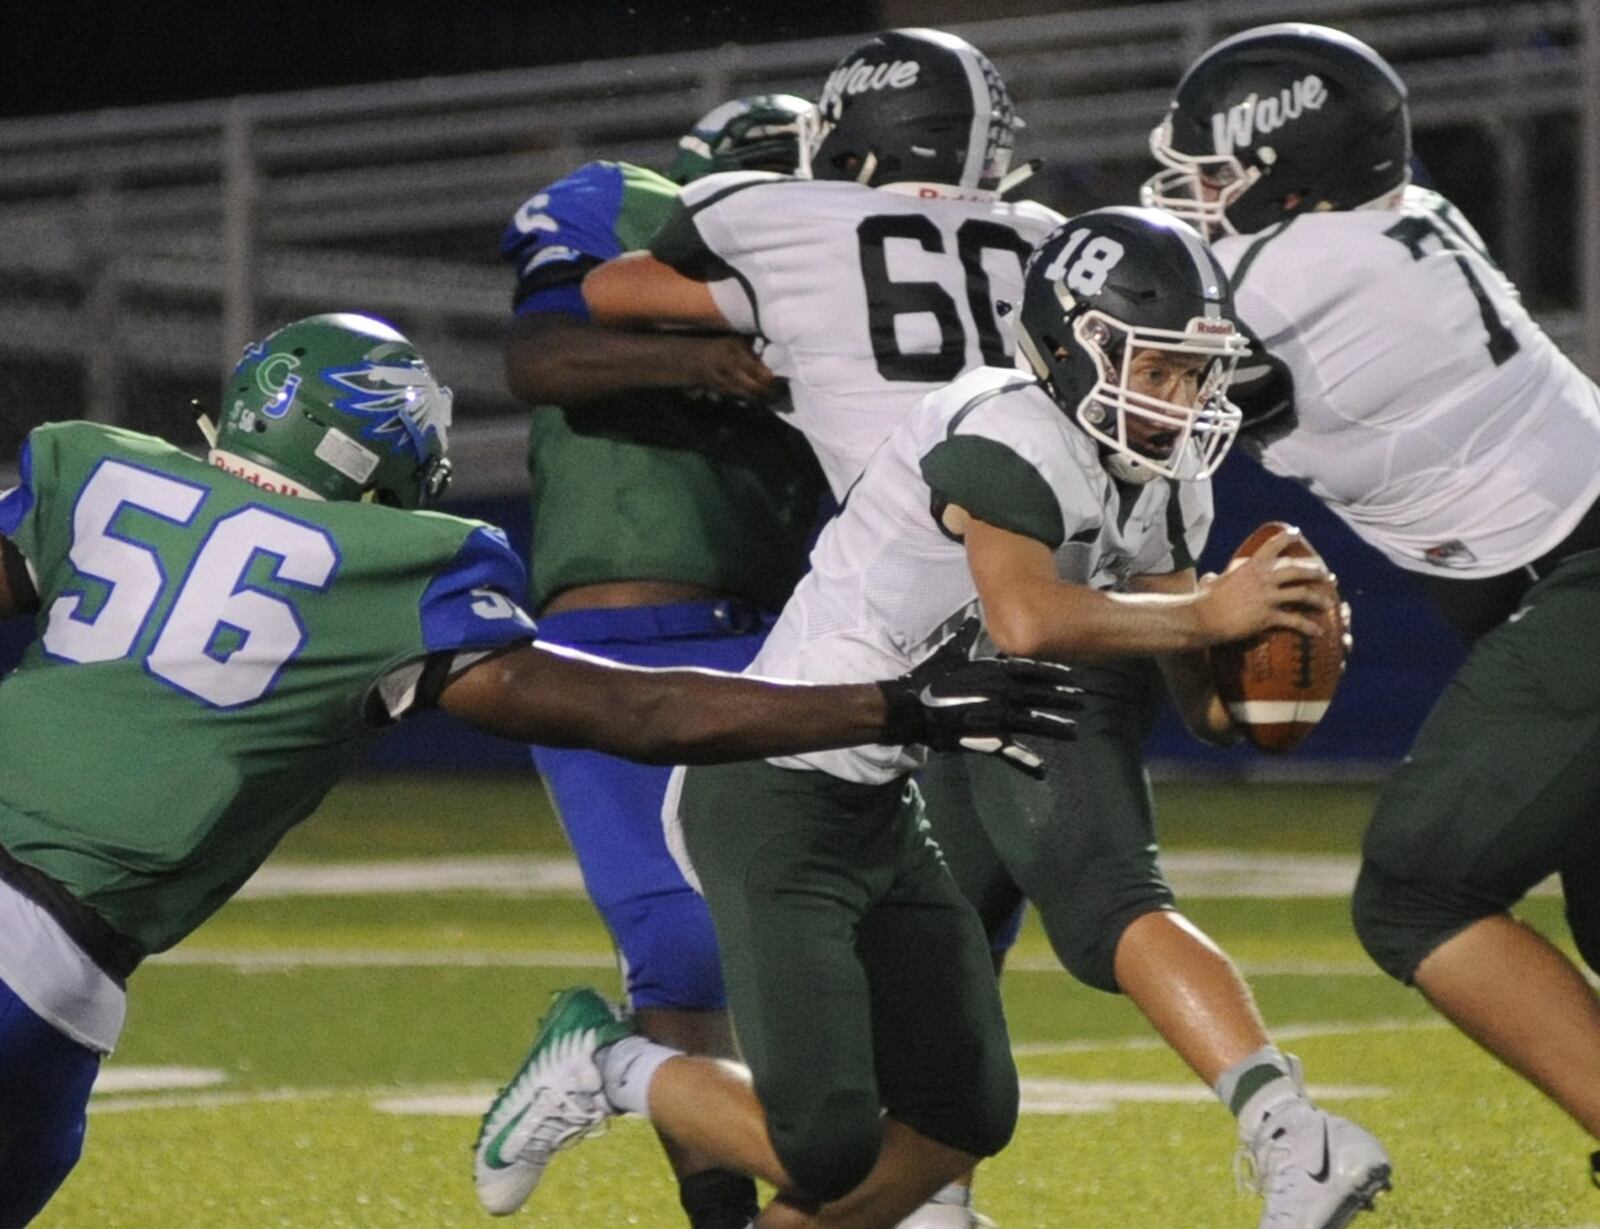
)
(672, 509)
(218, 642)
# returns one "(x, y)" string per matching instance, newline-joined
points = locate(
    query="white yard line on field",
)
(123, 1087)
(1039, 1096)
(253, 960)
(1285, 1032)
(1194, 874)
(274, 960)
(520, 875)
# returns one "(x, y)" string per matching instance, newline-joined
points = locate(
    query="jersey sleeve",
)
(475, 601)
(17, 503)
(561, 232)
(1002, 481)
(710, 237)
(16, 552)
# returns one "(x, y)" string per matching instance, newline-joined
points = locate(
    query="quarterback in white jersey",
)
(890, 578)
(880, 279)
(1067, 504)
(1413, 394)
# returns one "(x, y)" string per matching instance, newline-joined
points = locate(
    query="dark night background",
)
(73, 57)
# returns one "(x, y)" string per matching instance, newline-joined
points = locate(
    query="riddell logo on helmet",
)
(859, 77)
(1200, 324)
(1241, 124)
(274, 484)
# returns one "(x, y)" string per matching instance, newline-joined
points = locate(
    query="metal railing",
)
(140, 248)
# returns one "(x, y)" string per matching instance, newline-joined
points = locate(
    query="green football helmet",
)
(343, 404)
(758, 133)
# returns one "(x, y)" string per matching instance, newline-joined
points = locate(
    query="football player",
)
(1412, 393)
(1068, 505)
(219, 642)
(879, 279)
(665, 533)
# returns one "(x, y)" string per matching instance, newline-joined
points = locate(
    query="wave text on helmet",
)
(1241, 123)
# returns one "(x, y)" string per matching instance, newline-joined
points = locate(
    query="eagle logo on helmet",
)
(389, 397)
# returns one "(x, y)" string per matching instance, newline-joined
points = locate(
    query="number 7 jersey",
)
(211, 657)
(868, 298)
(1428, 410)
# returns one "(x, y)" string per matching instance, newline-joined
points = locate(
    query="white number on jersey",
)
(221, 641)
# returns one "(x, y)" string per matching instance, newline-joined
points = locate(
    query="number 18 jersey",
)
(868, 298)
(211, 657)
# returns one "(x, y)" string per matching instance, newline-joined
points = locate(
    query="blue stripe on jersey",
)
(476, 601)
(17, 502)
(566, 299)
(565, 226)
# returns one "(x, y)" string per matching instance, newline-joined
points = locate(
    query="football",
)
(1278, 685)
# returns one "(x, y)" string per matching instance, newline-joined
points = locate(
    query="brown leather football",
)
(1278, 685)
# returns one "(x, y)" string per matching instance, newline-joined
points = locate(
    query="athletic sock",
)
(1255, 1086)
(718, 1199)
(957, 1193)
(627, 1067)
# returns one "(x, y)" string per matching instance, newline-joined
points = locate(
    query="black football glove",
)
(950, 703)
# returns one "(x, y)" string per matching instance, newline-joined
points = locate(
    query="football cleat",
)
(556, 1098)
(1314, 1169)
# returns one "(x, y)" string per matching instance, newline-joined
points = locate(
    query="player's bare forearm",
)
(551, 359)
(558, 698)
(17, 594)
(1059, 621)
(1033, 613)
(636, 289)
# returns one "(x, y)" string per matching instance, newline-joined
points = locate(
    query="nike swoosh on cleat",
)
(491, 1154)
(1321, 1175)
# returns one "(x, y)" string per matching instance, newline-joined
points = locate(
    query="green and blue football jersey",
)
(651, 484)
(210, 658)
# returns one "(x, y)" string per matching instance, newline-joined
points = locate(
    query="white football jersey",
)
(1429, 410)
(888, 583)
(868, 298)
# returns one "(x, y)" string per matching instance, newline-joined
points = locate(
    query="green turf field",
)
(335, 1044)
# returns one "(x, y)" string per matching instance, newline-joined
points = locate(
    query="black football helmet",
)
(759, 133)
(1280, 120)
(915, 106)
(1108, 284)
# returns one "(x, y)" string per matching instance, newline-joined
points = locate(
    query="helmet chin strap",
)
(1018, 175)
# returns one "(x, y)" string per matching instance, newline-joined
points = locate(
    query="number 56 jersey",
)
(210, 658)
(868, 298)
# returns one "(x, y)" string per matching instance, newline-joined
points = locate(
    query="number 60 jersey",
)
(868, 298)
(211, 657)
(1427, 408)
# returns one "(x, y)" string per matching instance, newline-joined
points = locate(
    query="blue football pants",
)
(45, 1078)
(611, 808)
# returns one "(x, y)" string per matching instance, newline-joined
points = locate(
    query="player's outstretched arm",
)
(555, 359)
(636, 288)
(1031, 611)
(560, 698)
(17, 594)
